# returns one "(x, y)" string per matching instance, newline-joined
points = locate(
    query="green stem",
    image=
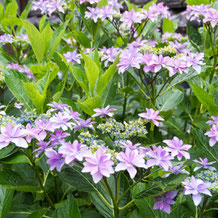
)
(196, 212)
(125, 100)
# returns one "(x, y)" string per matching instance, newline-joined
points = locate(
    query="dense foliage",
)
(106, 111)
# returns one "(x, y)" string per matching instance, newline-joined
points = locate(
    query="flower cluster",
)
(48, 6)
(204, 12)
(213, 133)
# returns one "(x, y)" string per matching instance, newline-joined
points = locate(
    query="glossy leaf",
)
(6, 197)
(36, 40)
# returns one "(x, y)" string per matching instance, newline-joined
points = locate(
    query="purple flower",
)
(175, 170)
(55, 160)
(128, 144)
(18, 105)
(157, 10)
(58, 137)
(211, 16)
(194, 60)
(72, 57)
(163, 202)
(106, 12)
(109, 54)
(159, 157)
(93, 13)
(204, 164)
(44, 125)
(128, 160)
(129, 18)
(60, 120)
(99, 165)
(75, 116)
(176, 147)
(130, 57)
(148, 64)
(14, 134)
(72, 152)
(28, 73)
(14, 66)
(213, 134)
(103, 112)
(31, 133)
(196, 187)
(152, 115)
(82, 124)
(42, 147)
(6, 38)
(213, 121)
(55, 5)
(57, 107)
(23, 37)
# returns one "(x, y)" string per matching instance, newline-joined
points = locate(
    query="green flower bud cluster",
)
(165, 51)
(209, 176)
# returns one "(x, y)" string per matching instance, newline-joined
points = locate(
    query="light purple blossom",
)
(90, 1)
(106, 12)
(152, 115)
(44, 125)
(14, 66)
(130, 57)
(6, 38)
(128, 144)
(73, 152)
(213, 121)
(99, 165)
(72, 57)
(213, 135)
(211, 16)
(75, 116)
(129, 160)
(42, 147)
(23, 37)
(176, 170)
(58, 137)
(82, 124)
(176, 147)
(13, 134)
(57, 107)
(31, 133)
(196, 187)
(131, 17)
(61, 120)
(55, 160)
(159, 157)
(158, 10)
(93, 13)
(163, 202)
(103, 112)
(18, 105)
(204, 164)
(109, 54)
(28, 73)
(148, 64)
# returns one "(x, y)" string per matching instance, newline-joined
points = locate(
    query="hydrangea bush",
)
(108, 111)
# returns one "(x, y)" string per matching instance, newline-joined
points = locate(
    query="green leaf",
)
(169, 100)
(168, 26)
(82, 181)
(6, 151)
(47, 33)
(82, 39)
(90, 104)
(197, 2)
(158, 186)
(173, 125)
(80, 77)
(68, 210)
(6, 197)
(11, 9)
(206, 99)
(36, 40)
(194, 36)
(38, 213)
(26, 11)
(11, 180)
(92, 71)
(102, 3)
(55, 40)
(1, 12)
(37, 91)
(105, 78)
(14, 83)
(16, 158)
(202, 143)
(147, 5)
